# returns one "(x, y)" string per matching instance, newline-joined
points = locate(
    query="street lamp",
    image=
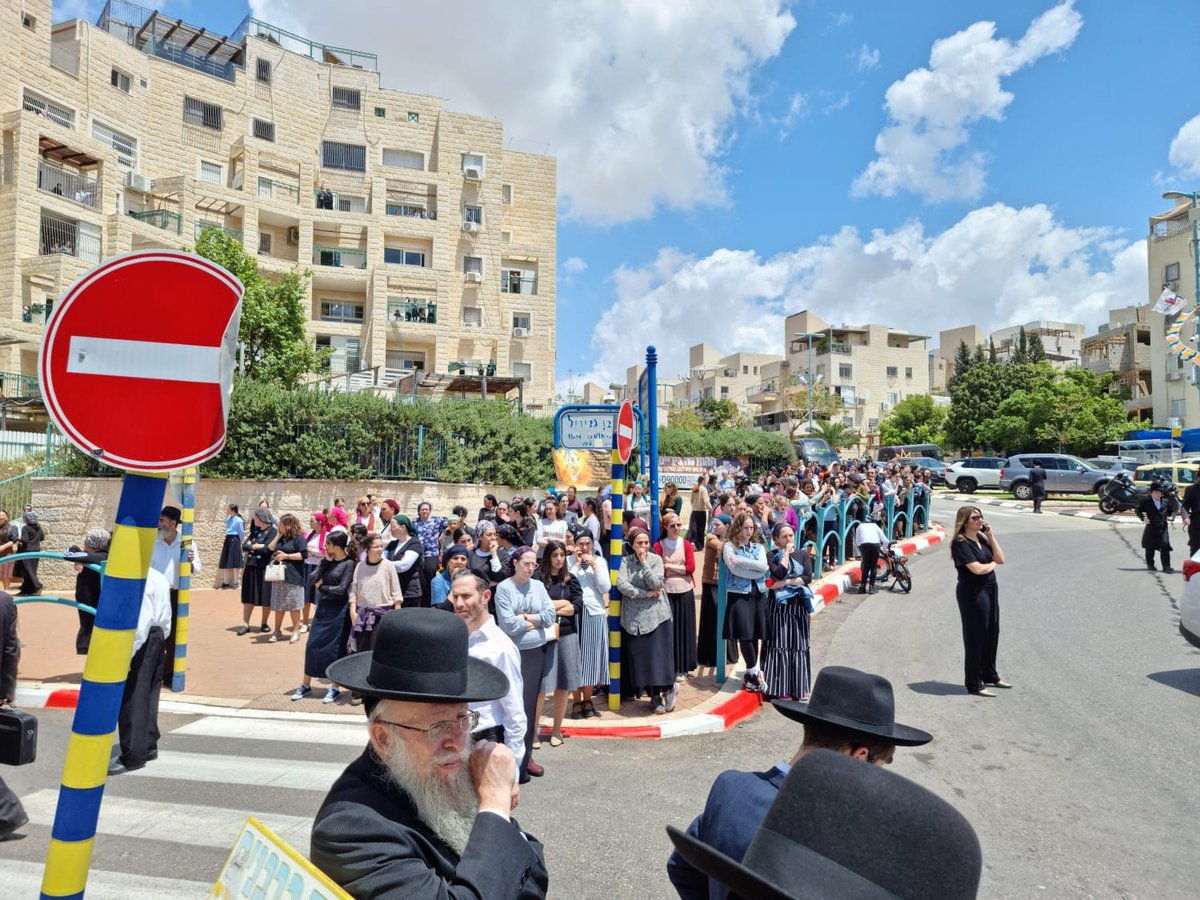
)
(808, 336)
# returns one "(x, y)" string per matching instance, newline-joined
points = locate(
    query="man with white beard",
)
(423, 813)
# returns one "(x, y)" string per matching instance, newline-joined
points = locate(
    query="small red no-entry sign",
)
(625, 431)
(137, 361)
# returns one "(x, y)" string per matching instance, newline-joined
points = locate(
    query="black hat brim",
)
(900, 735)
(484, 682)
(729, 872)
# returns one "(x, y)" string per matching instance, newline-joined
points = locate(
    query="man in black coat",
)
(1037, 485)
(1156, 511)
(1191, 516)
(420, 813)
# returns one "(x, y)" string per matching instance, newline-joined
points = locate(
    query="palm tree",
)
(835, 434)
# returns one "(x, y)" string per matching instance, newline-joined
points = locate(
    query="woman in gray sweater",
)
(648, 637)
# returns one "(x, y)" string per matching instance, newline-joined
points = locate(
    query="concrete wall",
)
(68, 507)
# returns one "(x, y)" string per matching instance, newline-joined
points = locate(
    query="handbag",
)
(275, 572)
(18, 737)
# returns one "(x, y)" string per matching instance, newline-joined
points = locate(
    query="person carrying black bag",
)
(12, 813)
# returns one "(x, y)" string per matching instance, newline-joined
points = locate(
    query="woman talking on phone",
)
(976, 553)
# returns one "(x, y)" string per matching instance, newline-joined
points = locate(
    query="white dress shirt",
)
(155, 608)
(492, 645)
(869, 533)
(165, 558)
(595, 582)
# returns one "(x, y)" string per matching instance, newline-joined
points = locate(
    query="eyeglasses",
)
(673, 525)
(440, 731)
(975, 518)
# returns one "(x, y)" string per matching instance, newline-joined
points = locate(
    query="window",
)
(262, 70)
(845, 370)
(264, 131)
(403, 159)
(891, 399)
(472, 316)
(892, 371)
(48, 110)
(120, 80)
(414, 117)
(472, 166)
(350, 203)
(335, 311)
(522, 321)
(70, 238)
(473, 214)
(380, 112)
(473, 265)
(207, 115)
(212, 172)
(264, 243)
(346, 98)
(745, 370)
(523, 370)
(908, 372)
(346, 355)
(1177, 409)
(400, 257)
(28, 21)
(506, 193)
(506, 237)
(405, 359)
(724, 392)
(1172, 272)
(349, 157)
(125, 145)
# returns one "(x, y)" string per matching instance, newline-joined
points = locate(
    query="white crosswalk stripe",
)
(215, 767)
(349, 734)
(24, 879)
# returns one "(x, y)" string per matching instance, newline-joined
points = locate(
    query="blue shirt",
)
(234, 525)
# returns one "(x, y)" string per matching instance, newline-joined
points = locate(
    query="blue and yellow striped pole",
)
(187, 501)
(616, 544)
(88, 749)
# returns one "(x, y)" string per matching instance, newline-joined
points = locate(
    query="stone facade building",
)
(431, 246)
(1122, 348)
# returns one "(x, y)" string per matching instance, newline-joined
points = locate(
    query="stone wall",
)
(68, 507)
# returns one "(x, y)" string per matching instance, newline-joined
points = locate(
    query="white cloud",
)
(924, 148)
(573, 265)
(866, 58)
(637, 100)
(1185, 148)
(996, 266)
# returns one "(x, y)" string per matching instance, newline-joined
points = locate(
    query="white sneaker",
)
(331, 695)
(672, 696)
(301, 692)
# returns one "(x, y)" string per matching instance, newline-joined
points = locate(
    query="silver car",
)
(1064, 474)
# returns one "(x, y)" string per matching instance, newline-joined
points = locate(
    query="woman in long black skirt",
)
(231, 550)
(706, 642)
(786, 664)
(254, 589)
(679, 565)
(746, 612)
(330, 628)
(701, 504)
(647, 640)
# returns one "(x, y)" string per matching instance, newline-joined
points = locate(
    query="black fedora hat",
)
(857, 702)
(847, 829)
(420, 655)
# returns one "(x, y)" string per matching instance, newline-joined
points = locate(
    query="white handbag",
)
(275, 571)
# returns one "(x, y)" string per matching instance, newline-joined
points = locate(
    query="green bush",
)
(765, 449)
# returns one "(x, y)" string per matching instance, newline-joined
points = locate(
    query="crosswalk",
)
(165, 830)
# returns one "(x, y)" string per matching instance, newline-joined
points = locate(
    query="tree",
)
(836, 434)
(977, 356)
(915, 420)
(275, 346)
(717, 413)
(685, 419)
(962, 361)
(1020, 356)
(1037, 350)
(991, 351)
(975, 397)
(826, 405)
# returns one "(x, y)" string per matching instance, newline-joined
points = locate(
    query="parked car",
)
(1065, 474)
(1189, 601)
(1113, 462)
(816, 450)
(968, 475)
(893, 451)
(1181, 474)
(937, 469)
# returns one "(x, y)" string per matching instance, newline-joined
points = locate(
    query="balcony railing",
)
(14, 385)
(235, 233)
(338, 202)
(68, 183)
(1160, 231)
(510, 285)
(340, 257)
(47, 110)
(160, 218)
(412, 311)
(62, 236)
(284, 191)
(409, 211)
(339, 56)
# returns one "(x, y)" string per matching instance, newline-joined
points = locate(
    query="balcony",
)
(409, 211)
(336, 201)
(340, 257)
(523, 285)
(44, 109)
(68, 238)
(1160, 231)
(338, 56)
(65, 57)
(283, 191)
(160, 218)
(15, 386)
(235, 233)
(68, 183)
(420, 311)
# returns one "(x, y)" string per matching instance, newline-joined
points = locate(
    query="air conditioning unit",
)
(862, 401)
(294, 235)
(885, 406)
(472, 173)
(518, 331)
(471, 227)
(138, 182)
(473, 278)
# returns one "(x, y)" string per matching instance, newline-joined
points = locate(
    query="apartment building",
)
(1175, 400)
(1121, 347)
(713, 375)
(1061, 341)
(941, 359)
(431, 246)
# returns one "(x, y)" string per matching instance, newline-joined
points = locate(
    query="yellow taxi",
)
(1182, 474)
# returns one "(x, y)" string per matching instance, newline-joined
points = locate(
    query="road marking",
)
(144, 359)
(349, 734)
(24, 879)
(182, 823)
(282, 773)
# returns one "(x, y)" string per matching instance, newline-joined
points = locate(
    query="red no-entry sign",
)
(625, 431)
(137, 361)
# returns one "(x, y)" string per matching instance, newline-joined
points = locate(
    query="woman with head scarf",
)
(785, 652)
(87, 581)
(318, 534)
(647, 641)
(405, 552)
(454, 560)
(679, 566)
(254, 590)
(746, 614)
(31, 542)
(330, 631)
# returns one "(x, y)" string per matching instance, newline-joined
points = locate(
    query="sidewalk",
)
(248, 674)
(1022, 506)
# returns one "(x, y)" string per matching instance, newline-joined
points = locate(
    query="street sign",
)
(589, 428)
(137, 361)
(626, 433)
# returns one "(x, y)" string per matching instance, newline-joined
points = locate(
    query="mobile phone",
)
(986, 527)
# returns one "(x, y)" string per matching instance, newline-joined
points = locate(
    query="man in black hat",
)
(422, 813)
(840, 829)
(849, 712)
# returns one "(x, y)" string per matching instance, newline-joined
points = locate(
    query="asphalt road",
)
(1081, 782)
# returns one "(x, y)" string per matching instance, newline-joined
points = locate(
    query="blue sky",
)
(718, 162)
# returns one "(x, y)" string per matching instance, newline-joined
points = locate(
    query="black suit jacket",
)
(367, 837)
(1154, 535)
(1191, 502)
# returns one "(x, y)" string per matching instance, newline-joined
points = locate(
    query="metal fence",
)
(408, 455)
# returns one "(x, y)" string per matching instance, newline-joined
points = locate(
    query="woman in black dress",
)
(786, 662)
(976, 553)
(32, 536)
(330, 629)
(254, 589)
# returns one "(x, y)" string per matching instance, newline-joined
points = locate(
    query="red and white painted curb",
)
(833, 586)
(41, 696)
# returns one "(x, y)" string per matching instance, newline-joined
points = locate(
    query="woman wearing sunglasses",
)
(976, 553)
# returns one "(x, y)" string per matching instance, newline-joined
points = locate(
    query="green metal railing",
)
(14, 385)
(235, 233)
(286, 191)
(160, 218)
(412, 311)
(411, 454)
(340, 257)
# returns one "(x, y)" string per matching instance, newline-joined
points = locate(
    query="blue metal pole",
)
(615, 548)
(652, 427)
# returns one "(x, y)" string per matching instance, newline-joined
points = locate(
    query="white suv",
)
(967, 475)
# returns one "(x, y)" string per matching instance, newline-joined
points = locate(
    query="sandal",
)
(555, 741)
(537, 743)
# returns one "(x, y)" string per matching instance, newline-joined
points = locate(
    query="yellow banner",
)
(261, 864)
(585, 470)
